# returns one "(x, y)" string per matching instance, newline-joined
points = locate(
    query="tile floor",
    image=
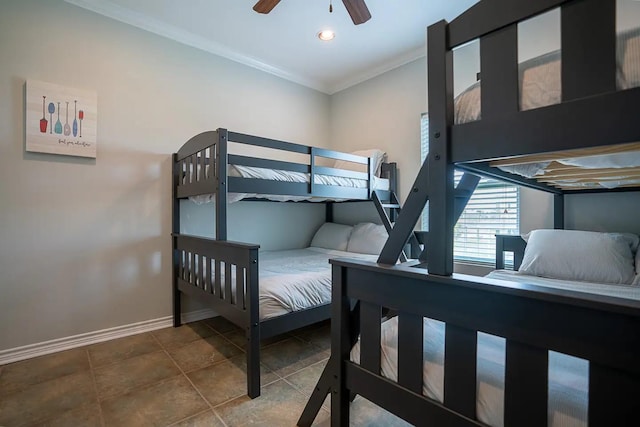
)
(188, 376)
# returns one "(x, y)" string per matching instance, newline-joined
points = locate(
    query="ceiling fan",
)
(357, 9)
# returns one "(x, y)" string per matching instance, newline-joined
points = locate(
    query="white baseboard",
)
(53, 346)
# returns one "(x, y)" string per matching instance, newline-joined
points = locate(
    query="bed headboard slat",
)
(587, 72)
(370, 315)
(410, 345)
(508, 243)
(499, 65)
(525, 384)
(460, 369)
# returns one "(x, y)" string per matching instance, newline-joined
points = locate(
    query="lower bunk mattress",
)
(568, 375)
(298, 279)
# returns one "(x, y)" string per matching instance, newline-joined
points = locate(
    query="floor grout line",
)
(115, 362)
(56, 416)
(195, 388)
(161, 350)
(210, 407)
(95, 388)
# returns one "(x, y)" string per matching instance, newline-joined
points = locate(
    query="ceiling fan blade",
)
(357, 10)
(265, 6)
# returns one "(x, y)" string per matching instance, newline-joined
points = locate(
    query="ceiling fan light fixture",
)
(326, 35)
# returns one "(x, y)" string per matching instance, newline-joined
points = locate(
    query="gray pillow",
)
(579, 255)
(367, 238)
(332, 236)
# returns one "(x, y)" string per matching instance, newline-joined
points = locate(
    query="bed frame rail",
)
(200, 167)
(599, 329)
(225, 274)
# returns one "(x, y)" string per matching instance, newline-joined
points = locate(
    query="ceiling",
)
(284, 42)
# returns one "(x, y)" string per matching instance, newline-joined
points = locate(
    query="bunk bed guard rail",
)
(205, 157)
(602, 330)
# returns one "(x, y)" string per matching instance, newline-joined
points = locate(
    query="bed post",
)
(328, 212)
(253, 328)
(175, 229)
(558, 211)
(440, 169)
(221, 188)
(340, 347)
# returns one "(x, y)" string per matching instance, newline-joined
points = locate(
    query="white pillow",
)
(332, 236)
(579, 255)
(367, 238)
(377, 157)
(632, 239)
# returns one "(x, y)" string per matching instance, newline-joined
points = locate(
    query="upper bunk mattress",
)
(289, 176)
(540, 83)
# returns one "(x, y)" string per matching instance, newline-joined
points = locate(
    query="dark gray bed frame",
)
(220, 260)
(533, 319)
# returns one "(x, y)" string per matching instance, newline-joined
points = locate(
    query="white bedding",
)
(540, 79)
(297, 279)
(289, 176)
(568, 376)
(608, 289)
(628, 159)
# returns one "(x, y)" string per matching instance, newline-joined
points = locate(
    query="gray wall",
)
(85, 244)
(274, 226)
(384, 112)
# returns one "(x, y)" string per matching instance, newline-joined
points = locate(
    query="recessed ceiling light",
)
(326, 35)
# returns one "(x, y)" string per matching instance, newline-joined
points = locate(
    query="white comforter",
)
(297, 279)
(568, 376)
(289, 176)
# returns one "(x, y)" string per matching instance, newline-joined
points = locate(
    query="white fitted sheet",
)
(568, 375)
(607, 289)
(289, 176)
(296, 279)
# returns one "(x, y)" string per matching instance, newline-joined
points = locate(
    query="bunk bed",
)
(375, 304)
(223, 273)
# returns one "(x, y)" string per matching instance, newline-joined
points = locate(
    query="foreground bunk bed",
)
(428, 343)
(227, 275)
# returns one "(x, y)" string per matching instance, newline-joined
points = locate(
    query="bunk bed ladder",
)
(403, 230)
(394, 208)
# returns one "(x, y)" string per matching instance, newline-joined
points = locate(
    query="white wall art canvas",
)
(61, 120)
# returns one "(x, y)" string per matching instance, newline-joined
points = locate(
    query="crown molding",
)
(394, 63)
(114, 11)
(128, 16)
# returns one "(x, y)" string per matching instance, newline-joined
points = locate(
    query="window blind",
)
(493, 209)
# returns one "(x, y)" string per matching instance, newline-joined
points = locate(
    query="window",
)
(493, 209)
